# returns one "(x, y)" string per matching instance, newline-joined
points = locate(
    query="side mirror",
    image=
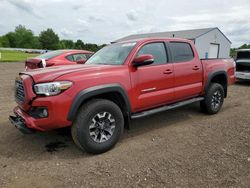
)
(142, 60)
(82, 61)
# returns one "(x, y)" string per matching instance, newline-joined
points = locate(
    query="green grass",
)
(14, 56)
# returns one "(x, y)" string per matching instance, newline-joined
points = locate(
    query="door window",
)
(70, 57)
(157, 50)
(181, 52)
(77, 57)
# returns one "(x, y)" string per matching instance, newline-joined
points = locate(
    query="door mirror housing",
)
(142, 60)
(82, 61)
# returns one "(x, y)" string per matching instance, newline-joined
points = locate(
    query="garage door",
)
(213, 51)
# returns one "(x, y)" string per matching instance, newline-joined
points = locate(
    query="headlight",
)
(52, 88)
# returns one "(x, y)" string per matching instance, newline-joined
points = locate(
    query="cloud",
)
(95, 19)
(232, 22)
(66, 33)
(83, 22)
(77, 7)
(132, 15)
(146, 29)
(240, 35)
(101, 21)
(24, 5)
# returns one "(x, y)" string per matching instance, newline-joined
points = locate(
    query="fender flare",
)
(212, 75)
(86, 94)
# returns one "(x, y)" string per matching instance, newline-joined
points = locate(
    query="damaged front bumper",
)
(20, 124)
(23, 121)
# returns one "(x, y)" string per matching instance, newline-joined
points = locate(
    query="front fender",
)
(88, 93)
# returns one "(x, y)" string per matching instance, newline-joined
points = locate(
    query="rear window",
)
(243, 55)
(50, 55)
(181, 52)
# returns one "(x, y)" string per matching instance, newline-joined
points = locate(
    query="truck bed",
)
(224, 64)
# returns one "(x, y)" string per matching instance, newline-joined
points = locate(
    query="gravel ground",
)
(178, 148)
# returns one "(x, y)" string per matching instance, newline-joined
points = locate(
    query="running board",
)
(165, 108)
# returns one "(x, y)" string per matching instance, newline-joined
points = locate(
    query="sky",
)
(103, 21)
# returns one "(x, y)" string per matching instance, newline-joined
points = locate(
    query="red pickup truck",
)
(122, 81)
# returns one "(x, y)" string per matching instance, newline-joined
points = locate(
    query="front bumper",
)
(20, 124)
(57, 114)
(24, 122)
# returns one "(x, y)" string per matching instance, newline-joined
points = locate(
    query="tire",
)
(98, 126)
(214, 99)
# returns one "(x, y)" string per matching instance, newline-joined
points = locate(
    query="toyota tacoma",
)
(121, 82)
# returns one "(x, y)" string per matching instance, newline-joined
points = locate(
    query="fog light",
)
(39, 112)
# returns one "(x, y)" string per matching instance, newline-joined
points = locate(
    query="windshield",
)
(114, 54)
(50, 55)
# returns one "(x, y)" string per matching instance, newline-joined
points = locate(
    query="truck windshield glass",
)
(114, 54)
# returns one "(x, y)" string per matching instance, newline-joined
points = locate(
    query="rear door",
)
(188, 70)
(153, 83)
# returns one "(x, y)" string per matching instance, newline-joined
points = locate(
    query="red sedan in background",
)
(58, 57)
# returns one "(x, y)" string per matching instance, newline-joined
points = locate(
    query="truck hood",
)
(51, 73)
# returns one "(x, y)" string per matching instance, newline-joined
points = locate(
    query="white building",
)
(209, 42)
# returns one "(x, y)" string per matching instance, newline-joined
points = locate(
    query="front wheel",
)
(98, 126)
(214, 99)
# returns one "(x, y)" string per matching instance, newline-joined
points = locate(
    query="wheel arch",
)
(218, 77)
(114, 92)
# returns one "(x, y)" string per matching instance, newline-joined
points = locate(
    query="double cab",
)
(119, 83)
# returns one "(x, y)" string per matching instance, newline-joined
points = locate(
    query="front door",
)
(153, 83)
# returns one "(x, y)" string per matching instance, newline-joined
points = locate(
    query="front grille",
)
(19, 95)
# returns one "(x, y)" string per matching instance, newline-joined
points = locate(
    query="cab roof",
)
(151, 39)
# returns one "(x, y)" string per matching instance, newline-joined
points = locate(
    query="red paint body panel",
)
(188, 77)
(150, 81)
(147, 87)
(33, 63)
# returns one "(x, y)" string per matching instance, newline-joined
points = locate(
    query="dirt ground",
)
(178, 148)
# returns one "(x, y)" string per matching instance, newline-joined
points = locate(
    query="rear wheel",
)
(214, 99)
(98, 126)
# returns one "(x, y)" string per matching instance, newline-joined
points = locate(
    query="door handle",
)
(168, 71)
(196, 67)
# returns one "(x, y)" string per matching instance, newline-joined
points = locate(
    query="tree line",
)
(22, 37)
(233, 50)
